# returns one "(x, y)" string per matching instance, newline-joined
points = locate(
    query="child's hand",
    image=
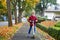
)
(36, 20)
(30, 21)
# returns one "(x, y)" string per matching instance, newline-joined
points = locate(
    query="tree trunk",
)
(19, 16)
(15, 12)
(0, 14)
(9, 13)
(20, 12)
(15, 15)
(42, 10)
(42, 13)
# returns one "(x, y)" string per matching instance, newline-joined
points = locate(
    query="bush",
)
(41, 27)
(40, 19)
(54, 32)
(57, 24)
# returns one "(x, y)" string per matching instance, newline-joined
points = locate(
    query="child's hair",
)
(33, 11)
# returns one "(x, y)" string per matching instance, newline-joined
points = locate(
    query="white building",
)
(51, 14)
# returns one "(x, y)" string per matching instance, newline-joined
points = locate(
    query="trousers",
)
(33, 28)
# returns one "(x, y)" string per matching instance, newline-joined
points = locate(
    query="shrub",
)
(52, 31)
(57, 24)
(40, 19)
(41, 27)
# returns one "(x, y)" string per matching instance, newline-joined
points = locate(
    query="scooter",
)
(33, 30)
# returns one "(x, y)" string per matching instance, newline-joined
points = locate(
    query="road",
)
(5, 23)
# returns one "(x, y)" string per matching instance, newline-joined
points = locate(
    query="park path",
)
(21, 34)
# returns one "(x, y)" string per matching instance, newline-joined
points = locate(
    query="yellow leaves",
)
(3, 10)
(48, 23)
(4, 31)
(32, 2)
(7, 32)
(27, 1)
(36, 1)
(3, 3)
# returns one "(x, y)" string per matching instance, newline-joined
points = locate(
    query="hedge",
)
(41, 27)
(57, 24)
(41, 19)
(51, 31)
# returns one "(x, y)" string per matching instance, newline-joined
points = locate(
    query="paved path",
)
(22, 34)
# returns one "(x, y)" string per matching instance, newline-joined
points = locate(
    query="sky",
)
(58, 1)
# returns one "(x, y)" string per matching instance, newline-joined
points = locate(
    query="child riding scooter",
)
(32, 20)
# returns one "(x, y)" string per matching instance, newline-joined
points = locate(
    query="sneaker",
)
(33, 37)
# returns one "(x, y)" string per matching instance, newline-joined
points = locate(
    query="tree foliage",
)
(3, 7)
(3, 2)
(30, 4)
(44, 4)
(27, 4)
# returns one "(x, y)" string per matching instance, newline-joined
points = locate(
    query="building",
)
(52, 14)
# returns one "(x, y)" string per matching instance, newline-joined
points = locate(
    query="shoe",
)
(33, 37)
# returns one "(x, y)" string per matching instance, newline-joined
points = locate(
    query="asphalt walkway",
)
(22, 34)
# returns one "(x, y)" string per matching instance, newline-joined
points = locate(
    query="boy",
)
(32, 20)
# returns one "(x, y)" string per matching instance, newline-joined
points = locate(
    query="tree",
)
(3, 8)
(43, 5)
(14, 3)
(26, 5)
(3, 3)
(9, 13)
